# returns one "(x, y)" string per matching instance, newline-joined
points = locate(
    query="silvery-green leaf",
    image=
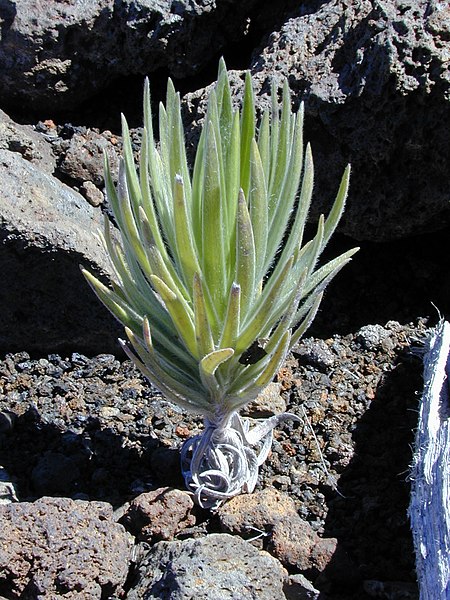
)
(208, 366)
(203, 333)
(214, 268)
(248, 128)
(258, 210)
(185, 244)
(245, 255)
(182, 316)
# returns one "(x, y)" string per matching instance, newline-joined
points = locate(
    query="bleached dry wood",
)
(429, 508)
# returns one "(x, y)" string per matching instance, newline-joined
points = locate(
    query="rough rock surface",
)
(56, 54)
(57, 547)
(82, 158)
(24, 140)
(159, 515)
(46, 231)
(7, 490)
(218, 567)
(272, 515)
(299, 588)
(375, 81)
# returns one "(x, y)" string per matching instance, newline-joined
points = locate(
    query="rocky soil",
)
(80, 435)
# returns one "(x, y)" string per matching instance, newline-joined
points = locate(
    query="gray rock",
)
(46, 231)
(92, 194)
(315, 353)
(59, 547)
(299, 588)
(55, 54)
(269, 402)
(30, 144)
(216, 567)
(374, 337)
(375, 81)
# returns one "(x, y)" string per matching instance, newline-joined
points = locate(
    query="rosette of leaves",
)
(212, 264)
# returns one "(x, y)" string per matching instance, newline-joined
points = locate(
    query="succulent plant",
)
(212, 265)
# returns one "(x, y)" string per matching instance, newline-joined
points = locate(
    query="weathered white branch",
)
(429, 509)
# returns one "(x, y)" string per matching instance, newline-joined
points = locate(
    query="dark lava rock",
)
(54, 474)
(217, 567)
(56, 54)
(26, 141)
(83, 159)
(375, 81)
(56, 547)
(270, 518)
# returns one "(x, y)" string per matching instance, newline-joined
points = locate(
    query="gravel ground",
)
(92, 428)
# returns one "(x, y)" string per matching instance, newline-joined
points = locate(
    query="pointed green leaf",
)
(338, 206)
(186, 251)
(176, 144)
(180, 394)
(264, 144)
(148, 205)
(118, 307)
(264, 314)
(282, 156)
(180, 313)
(247, 132)
(214, 268)
(258, 210)
(232, 318)
(208, 367)
(205, 342)
(209, 363)
(232, 178)
(245, 255)
(130, 169)
(304, 325)
(270, 366)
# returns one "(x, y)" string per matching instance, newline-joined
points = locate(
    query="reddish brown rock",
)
(273, 515)
(297, 545)
(58, 547)
(84, 157)
(159, 515)
(258, 511)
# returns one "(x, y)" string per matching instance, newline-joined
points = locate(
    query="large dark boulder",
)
(56, 54)
(375, 81)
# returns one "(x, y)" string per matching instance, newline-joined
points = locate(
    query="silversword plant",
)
(212, 264)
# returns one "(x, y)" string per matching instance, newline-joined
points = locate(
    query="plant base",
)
(223, 461)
